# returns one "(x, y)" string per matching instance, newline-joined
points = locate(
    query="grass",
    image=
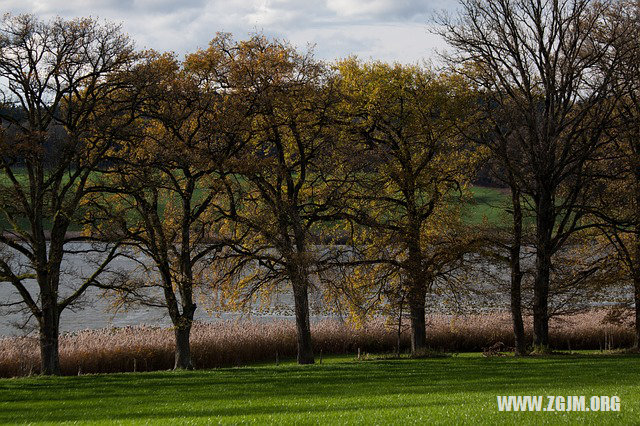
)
(454, 390)
(487, 202)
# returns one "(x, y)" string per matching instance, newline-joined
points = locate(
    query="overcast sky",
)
(390, 30)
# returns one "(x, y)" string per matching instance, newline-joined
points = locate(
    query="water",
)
(95, 309)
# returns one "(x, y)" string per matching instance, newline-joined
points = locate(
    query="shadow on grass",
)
(269, 390)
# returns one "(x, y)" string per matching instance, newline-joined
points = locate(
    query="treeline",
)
(242, 166)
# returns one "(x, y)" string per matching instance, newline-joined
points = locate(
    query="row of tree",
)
(249, 165)
(558, 81)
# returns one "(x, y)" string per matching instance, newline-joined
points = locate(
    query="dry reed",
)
(232, 343)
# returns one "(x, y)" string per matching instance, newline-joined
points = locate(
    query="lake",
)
(95, 309)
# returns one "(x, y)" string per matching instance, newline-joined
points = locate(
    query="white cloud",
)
(359, 8)
(275, 13)
(410, 43)
(379, 29)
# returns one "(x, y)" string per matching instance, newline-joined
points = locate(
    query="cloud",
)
(380, 29)
(399, 9)
(278, 13)
(402, 43)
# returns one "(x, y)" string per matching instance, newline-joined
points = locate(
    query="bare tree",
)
(58, 115)
(547, 97)
(617, 204)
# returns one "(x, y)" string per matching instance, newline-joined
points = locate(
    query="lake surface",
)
(95, 309)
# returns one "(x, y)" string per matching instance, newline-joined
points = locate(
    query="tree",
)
(278, 190)
(538, 64)
(617, 203)
(58, 80)
(407, 163)
(506, 243)
(159, 185)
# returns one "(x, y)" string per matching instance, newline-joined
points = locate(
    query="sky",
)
(388, 30)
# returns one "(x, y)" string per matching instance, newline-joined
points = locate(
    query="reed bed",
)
(241, 342)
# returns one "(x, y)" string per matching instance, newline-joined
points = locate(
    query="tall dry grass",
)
(231, 343)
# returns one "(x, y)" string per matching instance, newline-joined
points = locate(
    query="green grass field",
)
(454, 390)
(485, 202)
(489, 203)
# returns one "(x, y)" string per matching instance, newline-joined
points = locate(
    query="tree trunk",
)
(301, 300)
(541, 302)
(49, 330)
(516, 277)
(516, 312)
(183, 347)
(636, 257)
(418, 323)
(544, 229)
(399, 336)
(636, 283)
(182, 329)
(185, 287)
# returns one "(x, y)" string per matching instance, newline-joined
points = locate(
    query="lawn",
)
(485, 202)
(341, 390)
(489, 203)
